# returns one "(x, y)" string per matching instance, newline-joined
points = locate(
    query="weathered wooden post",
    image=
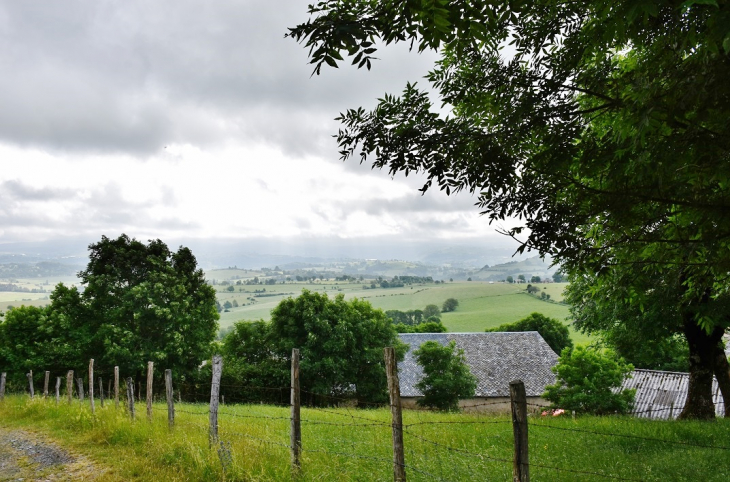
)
(521, 461)
(116, 387)
(70, 385)
(45, 384)
(399, 460)
(91, 386)
(58, 389)
(170, 399)
(30, 383)
(101, 392)
(296, 427)
(130, 397)
(80, 384)
(214, 391)
(150, 372)
(3, 376)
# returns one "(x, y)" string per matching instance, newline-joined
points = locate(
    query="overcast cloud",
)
(196, 120)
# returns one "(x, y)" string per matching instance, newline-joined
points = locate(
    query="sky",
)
(197, 120)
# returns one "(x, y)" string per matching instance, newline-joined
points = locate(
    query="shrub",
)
(587, 381)
(450, 304)
(446, 379)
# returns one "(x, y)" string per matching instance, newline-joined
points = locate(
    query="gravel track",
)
(25, 456)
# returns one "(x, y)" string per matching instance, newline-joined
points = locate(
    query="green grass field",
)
(355, 445)
(482, 305)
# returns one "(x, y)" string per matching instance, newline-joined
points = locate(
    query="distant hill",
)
(42, 269)
(529, 267)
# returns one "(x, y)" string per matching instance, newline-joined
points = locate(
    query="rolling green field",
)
(481, 305)
(346, 444)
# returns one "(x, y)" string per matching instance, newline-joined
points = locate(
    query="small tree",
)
(431, 311)
(450, 305)
(510, 279)
(446, 379)
(587, 381)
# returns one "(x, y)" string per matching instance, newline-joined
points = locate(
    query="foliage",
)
(586, 380)
(450, 305)
(606, 132)
(646, 330)
(341, 348)
(139, 303)
(446, 376)
(434, 326)
(431, 311)
(552, 331)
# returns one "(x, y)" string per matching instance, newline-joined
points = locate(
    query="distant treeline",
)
(37, 270)
(19, 289)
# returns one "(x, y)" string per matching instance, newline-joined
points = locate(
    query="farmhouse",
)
(661, 395)
(495, 359)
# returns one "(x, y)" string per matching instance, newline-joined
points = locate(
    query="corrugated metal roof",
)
(661, 395)
(495, 359)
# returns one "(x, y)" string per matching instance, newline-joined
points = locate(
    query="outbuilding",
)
(495, 359)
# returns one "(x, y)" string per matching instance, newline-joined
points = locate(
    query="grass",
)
(354, 445)
(482, 305)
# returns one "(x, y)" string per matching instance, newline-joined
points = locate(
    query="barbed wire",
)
(639, 437)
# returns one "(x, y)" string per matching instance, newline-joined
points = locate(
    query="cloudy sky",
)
(193, 119)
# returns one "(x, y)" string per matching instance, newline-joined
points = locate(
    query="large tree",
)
(603, 126)
(341, 344)
(147, 303)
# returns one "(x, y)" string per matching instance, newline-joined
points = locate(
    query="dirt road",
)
(25, 456)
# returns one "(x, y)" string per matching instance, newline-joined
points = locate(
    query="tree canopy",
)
(554, 332)
(140, 302)
(340, 342)
(602, 126)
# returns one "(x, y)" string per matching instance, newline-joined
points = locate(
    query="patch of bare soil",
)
(25, 456)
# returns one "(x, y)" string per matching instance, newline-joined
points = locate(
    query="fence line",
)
(400, 430)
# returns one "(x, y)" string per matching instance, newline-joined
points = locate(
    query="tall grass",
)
(347, 444)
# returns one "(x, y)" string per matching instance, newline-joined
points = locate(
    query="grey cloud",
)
(133, 76)
(16, 191)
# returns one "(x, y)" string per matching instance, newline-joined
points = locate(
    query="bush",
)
(586, 380)
(446, 379)
(554, 332)
(450, 304)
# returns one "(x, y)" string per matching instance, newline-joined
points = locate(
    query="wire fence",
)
(348, 431)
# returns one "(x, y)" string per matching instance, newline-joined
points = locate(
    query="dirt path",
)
(25, 456)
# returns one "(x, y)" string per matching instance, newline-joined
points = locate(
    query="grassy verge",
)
(354, 445)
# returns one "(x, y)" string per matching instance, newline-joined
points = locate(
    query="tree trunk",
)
(722, 373)
(702, 354)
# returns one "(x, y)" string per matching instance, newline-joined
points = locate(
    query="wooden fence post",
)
(91, 386)
(116, 387)
(70, 385)
(296, 427)
(45, 384)
(3, 376)
(30, 383)
(521, 461)
(80, 383)
(391, 367)
(101, 392)
(130, 397)
(214, 391)
(170, 399)
(150, 372)
(58, 389)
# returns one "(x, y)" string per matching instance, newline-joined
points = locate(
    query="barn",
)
(495, 359)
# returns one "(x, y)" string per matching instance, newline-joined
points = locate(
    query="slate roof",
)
(660, 395)
(494, 358)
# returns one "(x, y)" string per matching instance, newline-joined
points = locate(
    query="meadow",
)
(482, 305)
(347, 444)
